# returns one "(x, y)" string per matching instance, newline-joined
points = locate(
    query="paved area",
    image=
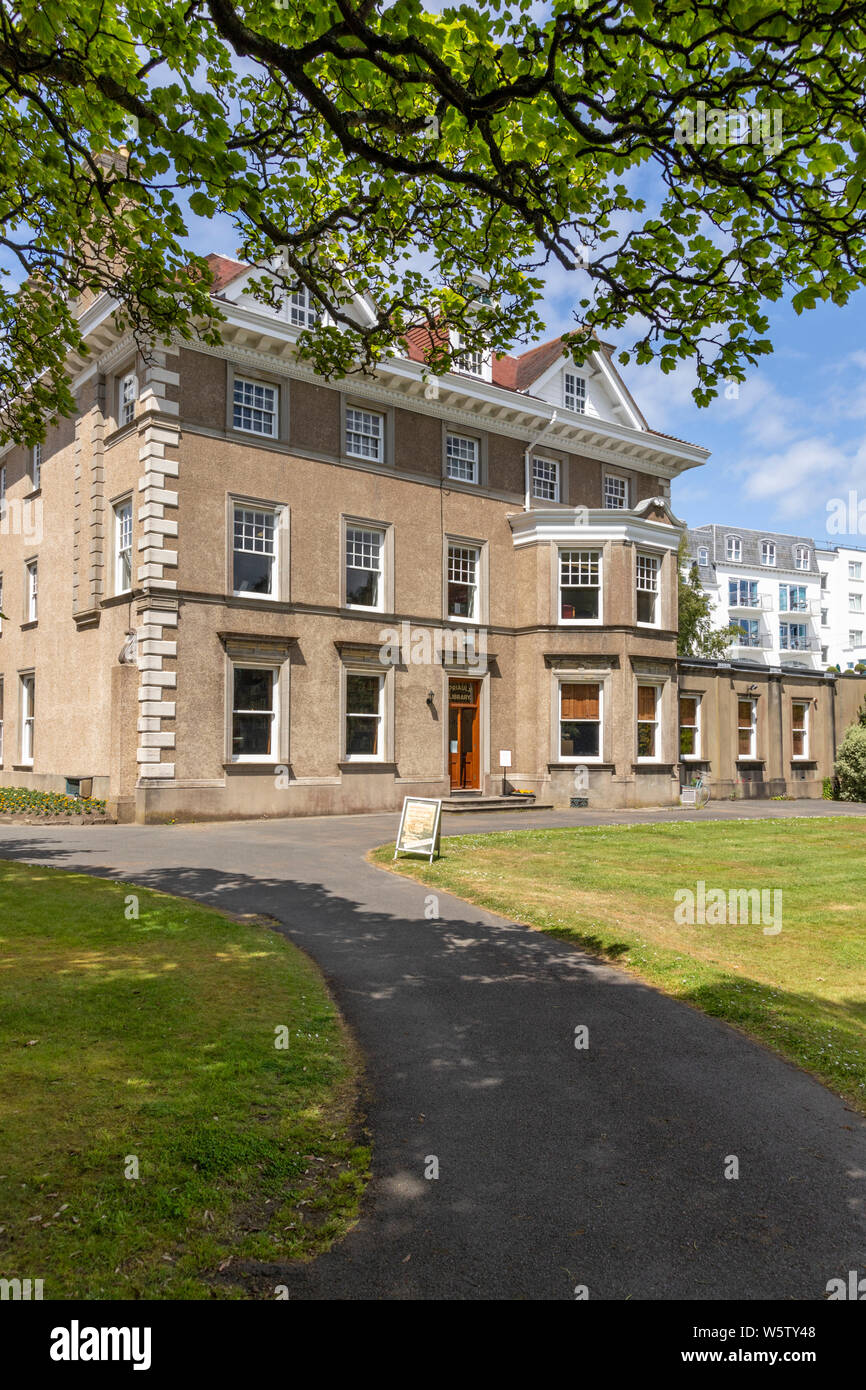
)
(557, 1167)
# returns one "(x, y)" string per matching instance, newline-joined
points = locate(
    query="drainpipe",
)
(527, 461)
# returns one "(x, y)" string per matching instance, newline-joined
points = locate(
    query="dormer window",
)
(733, 549)
(768, 553)
(474, 362)
(574, 392)
(703, 555)
(127, 393)
(801, 557)
(303, 312)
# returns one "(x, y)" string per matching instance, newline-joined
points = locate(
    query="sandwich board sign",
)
(420, 827)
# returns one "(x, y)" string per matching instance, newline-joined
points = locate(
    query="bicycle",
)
(697, 795)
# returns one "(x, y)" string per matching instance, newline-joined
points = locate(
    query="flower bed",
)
(23, 804)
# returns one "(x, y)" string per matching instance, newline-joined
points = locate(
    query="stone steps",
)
(460, 804)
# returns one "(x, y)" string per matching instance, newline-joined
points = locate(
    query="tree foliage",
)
(850, 767)
(696, 634)
(393, 152)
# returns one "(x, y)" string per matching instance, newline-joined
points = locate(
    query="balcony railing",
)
(799, 644)
(752, 602)
(809, 607)
(761, 642)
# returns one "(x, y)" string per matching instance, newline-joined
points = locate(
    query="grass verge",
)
(147, 1044)
(611, 890)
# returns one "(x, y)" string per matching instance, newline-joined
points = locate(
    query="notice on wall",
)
(420, 827)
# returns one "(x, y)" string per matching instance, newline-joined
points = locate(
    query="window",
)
(461, 458)
(647, 721)
(793, 637)
(824, 651)
(365, 434)
(647, 587)
(579, 721)
(855, 603)
(579, 586)
(733, 549)
(28, 717)
(254, 557)
(32, 591)
(768, 553)
(575, 392)
(545, 480)
(2, 491)
(364, 716)
(801, 557)
(703, 555)
(254, 713)
(824, 618)
(823, 579)
(792, 598)
(364, 552)
(122, 547)
(463, 582)
(615, 492)
(855, 637)
(746, 720)
(36, 467)
(255, 407)
(800, 728)
(855, 569)
(1, 604)
(127, 394)
(469, 363)
(750, 635)
(303, 313)
(1, 721)
(742, 593)
(690, 729)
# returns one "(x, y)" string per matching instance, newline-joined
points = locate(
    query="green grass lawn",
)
(154, 1039)
(611, 890)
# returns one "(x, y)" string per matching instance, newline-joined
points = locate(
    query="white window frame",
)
(240, 387)
(855, 603)
(458, 456)
(698, 699)
(615, 498)
(1, 604)
(734, 549)
(855, 637)
(579, 759)
(28, 717)
(801, 557)
(588, 558)
(32, 592)
(2, 490)
(121, 507)
(363, 531)
(825, 622)
(703, 550)
(806, 731)
(648, 566)
(855, 569)
(753, 729)
(36, 467)
(301, 310)
(357, 418)
(769, 554)
(254, 509)
(379, 756)
(127, 395)
(574, 392)
(473, 551)
(547, 480)
(2, 698)
(655, 722)
(242, 664)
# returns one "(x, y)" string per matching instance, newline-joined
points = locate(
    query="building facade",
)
(235, 589)
(843, 605)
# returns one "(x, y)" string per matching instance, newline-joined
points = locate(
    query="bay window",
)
(647, 722)
(647, 588)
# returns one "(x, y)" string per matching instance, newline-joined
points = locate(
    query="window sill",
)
(22, 767)
(366, 765)
(579, 762)
(26, 627)
(33, 493)
(747, 758)
(267, 766)
(652, 765)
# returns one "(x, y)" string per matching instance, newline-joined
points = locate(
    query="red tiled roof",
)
(224, 270)
(420, 341)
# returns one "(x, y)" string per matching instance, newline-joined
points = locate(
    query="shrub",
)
(851, 765)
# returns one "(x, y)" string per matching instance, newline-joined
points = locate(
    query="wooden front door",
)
(463, 734)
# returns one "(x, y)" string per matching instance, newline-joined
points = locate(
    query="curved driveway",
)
(557, 1167)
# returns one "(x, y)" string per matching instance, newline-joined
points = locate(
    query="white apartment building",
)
(843, 605)
(769, 586)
